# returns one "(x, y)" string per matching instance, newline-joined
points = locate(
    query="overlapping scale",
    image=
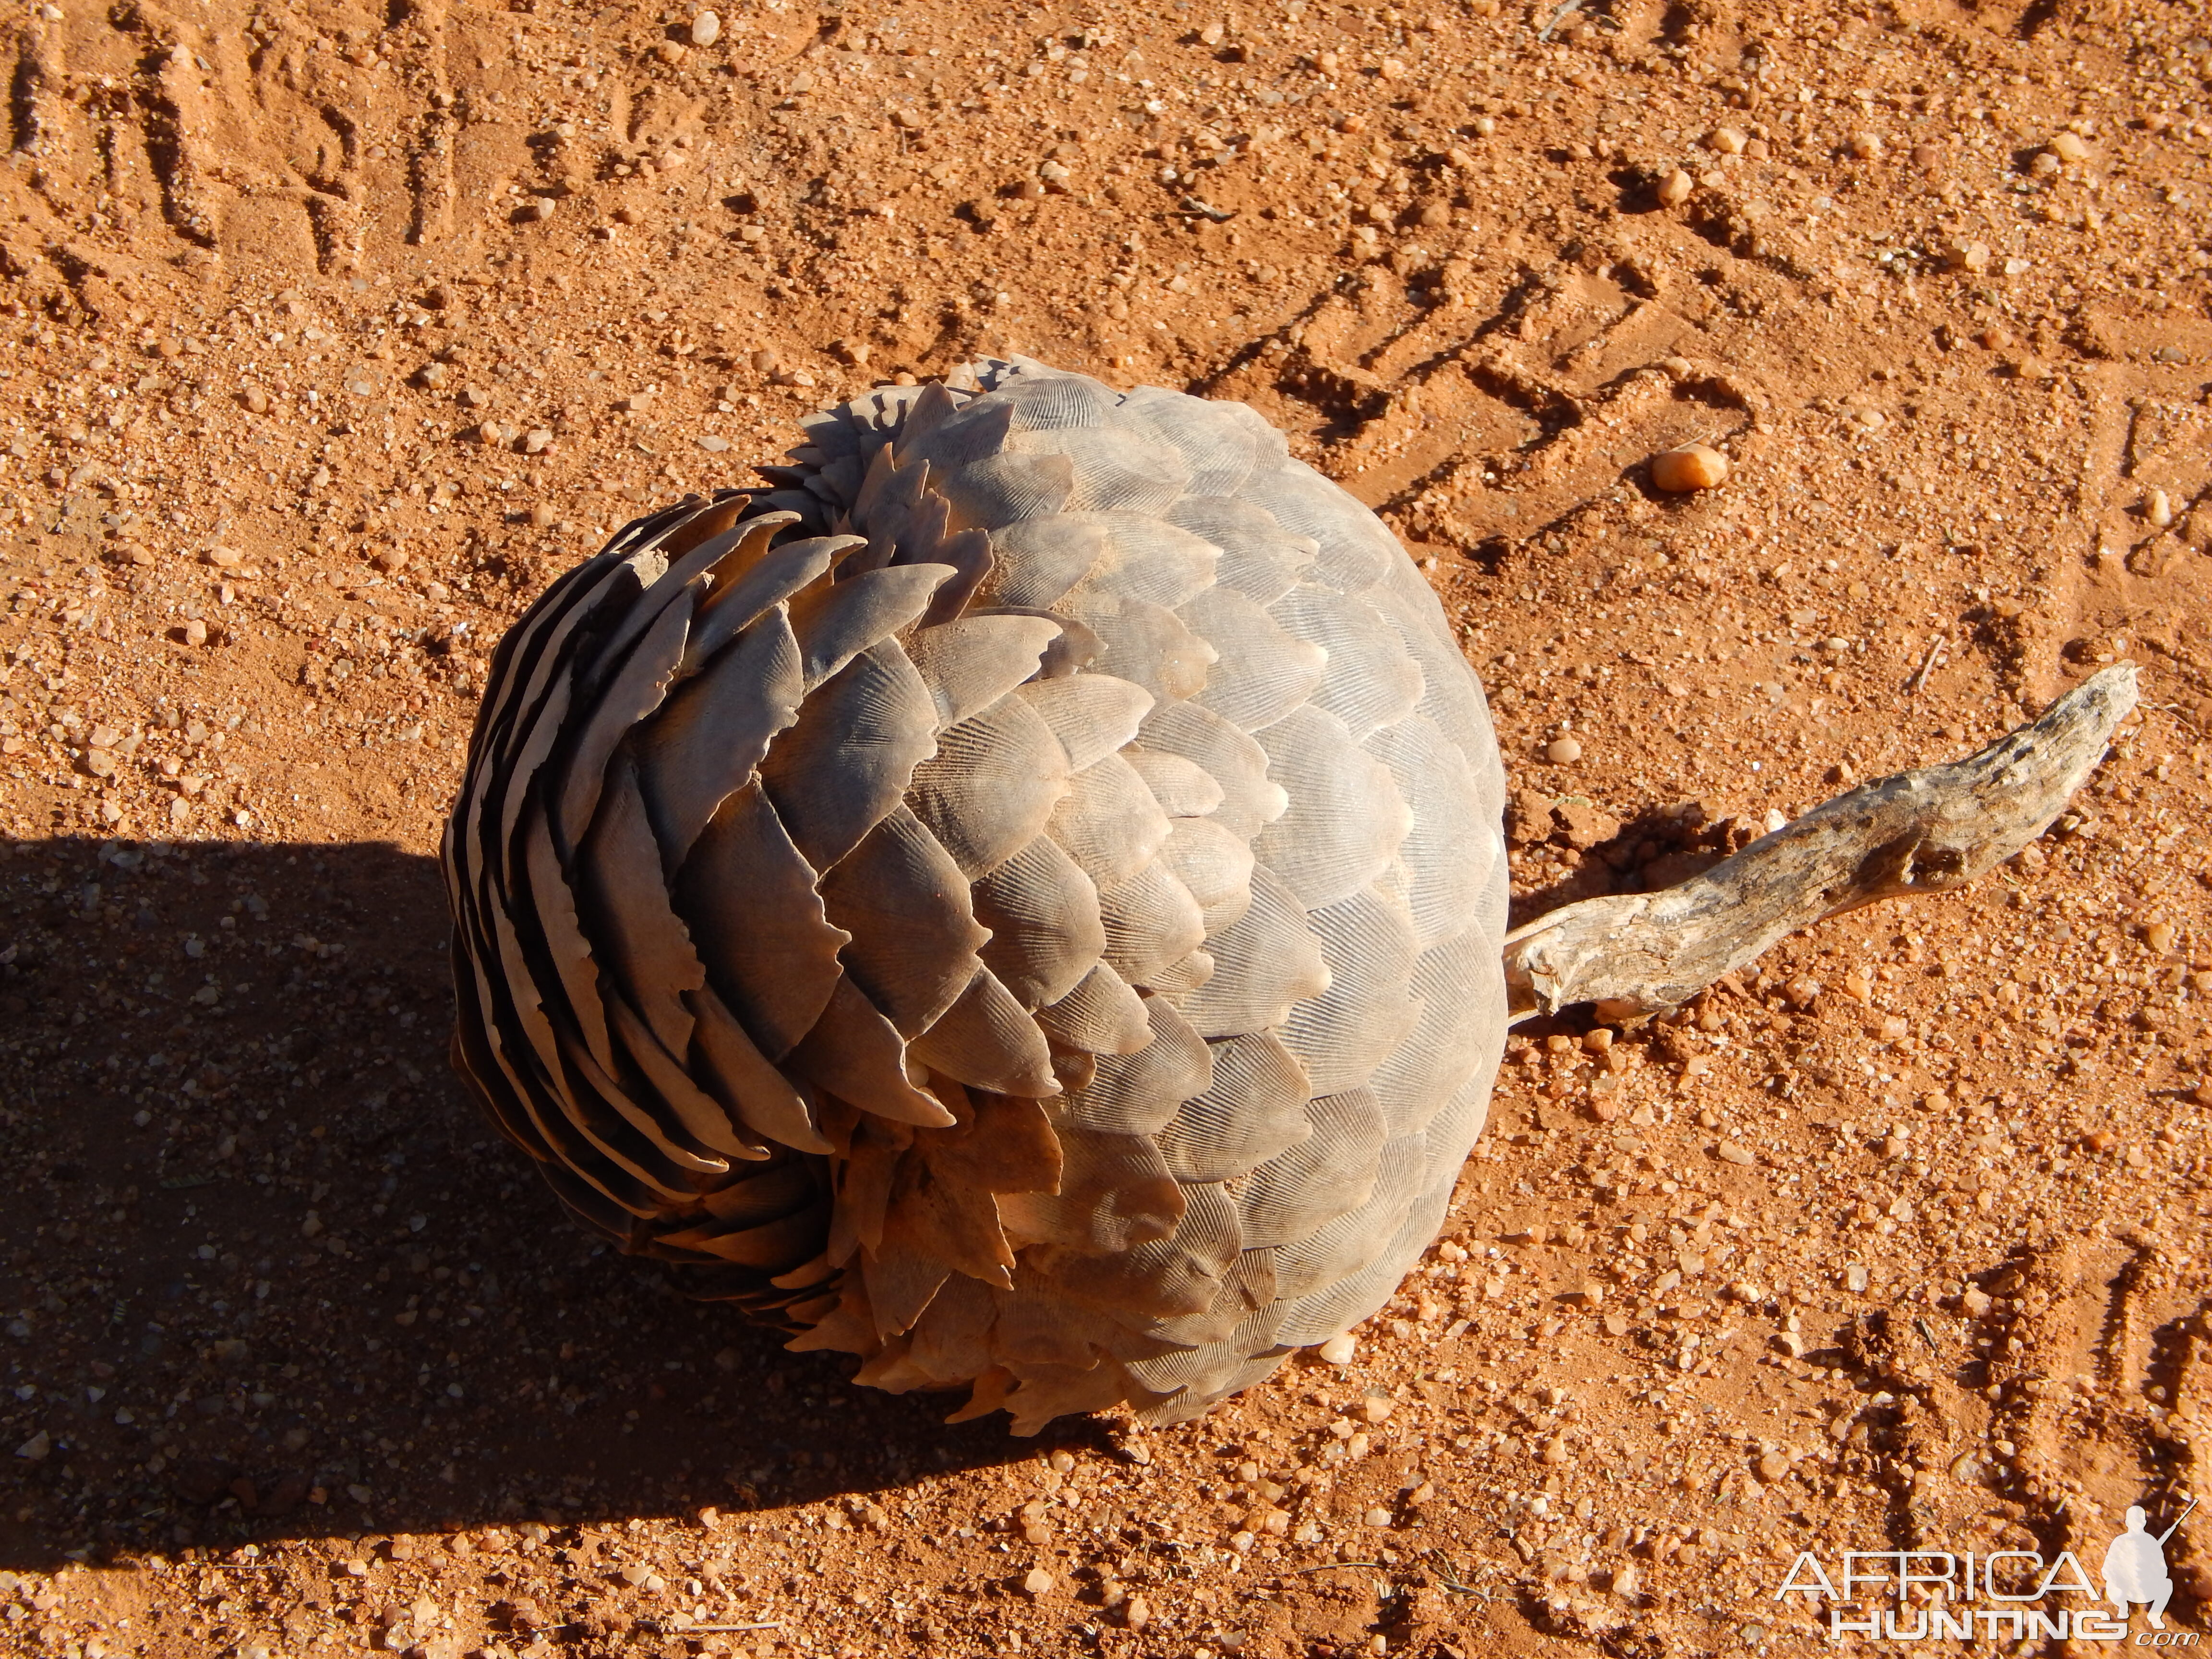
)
(1019, 901)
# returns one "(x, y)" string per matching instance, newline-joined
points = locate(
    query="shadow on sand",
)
(266, 1271)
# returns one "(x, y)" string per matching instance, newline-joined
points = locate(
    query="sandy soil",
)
(331, 332)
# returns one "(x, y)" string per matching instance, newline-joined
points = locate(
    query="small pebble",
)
(542, 208)
(1726, 140)
(1039, 1582)
(1867, 146)
(1137, 1612)
(1377, 1407)
(2158, 509)
(1378, 1517)
(196, 632)
(706, 28)
(1339, 1350)
(2159, 935)
(2068, 147)
(1693, 466)
(1773, 1467)
(1562, 751)
(1674, 189)
(255, 399)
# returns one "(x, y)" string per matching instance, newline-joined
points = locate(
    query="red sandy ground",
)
(1897, 1241)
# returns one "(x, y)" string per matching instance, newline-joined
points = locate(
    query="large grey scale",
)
(1021, 901)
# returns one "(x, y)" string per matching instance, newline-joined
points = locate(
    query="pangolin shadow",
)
(322, 1293)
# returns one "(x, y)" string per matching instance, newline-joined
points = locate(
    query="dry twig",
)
(1925, 832)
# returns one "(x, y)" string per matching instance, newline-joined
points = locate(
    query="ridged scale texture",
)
(1019, 900)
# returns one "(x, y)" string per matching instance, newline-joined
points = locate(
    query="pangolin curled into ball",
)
(1019, 901)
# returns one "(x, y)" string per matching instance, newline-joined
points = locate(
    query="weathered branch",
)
(1924, 831)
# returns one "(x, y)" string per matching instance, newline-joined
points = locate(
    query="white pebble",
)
(1562, 751)
(1339, 1350)
(706, 28)
(2158, 509)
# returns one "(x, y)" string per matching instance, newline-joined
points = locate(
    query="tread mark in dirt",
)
(333, 200)
(168, 104)
(27, 133)
(38, 98)
(2117, 1336)
(1891, 1348)
(1440, 420)
(2179, 1350)
(2042, 1345)
(430, 151)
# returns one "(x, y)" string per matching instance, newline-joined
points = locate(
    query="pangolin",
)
(1020, 900)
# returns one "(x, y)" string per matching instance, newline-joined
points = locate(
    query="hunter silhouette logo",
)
(2006, 1597)
(2134, 1566)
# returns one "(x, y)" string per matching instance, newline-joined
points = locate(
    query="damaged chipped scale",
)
(1020, 900)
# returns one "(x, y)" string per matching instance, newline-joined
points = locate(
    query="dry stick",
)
(1926, 832)
(1936, 648)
